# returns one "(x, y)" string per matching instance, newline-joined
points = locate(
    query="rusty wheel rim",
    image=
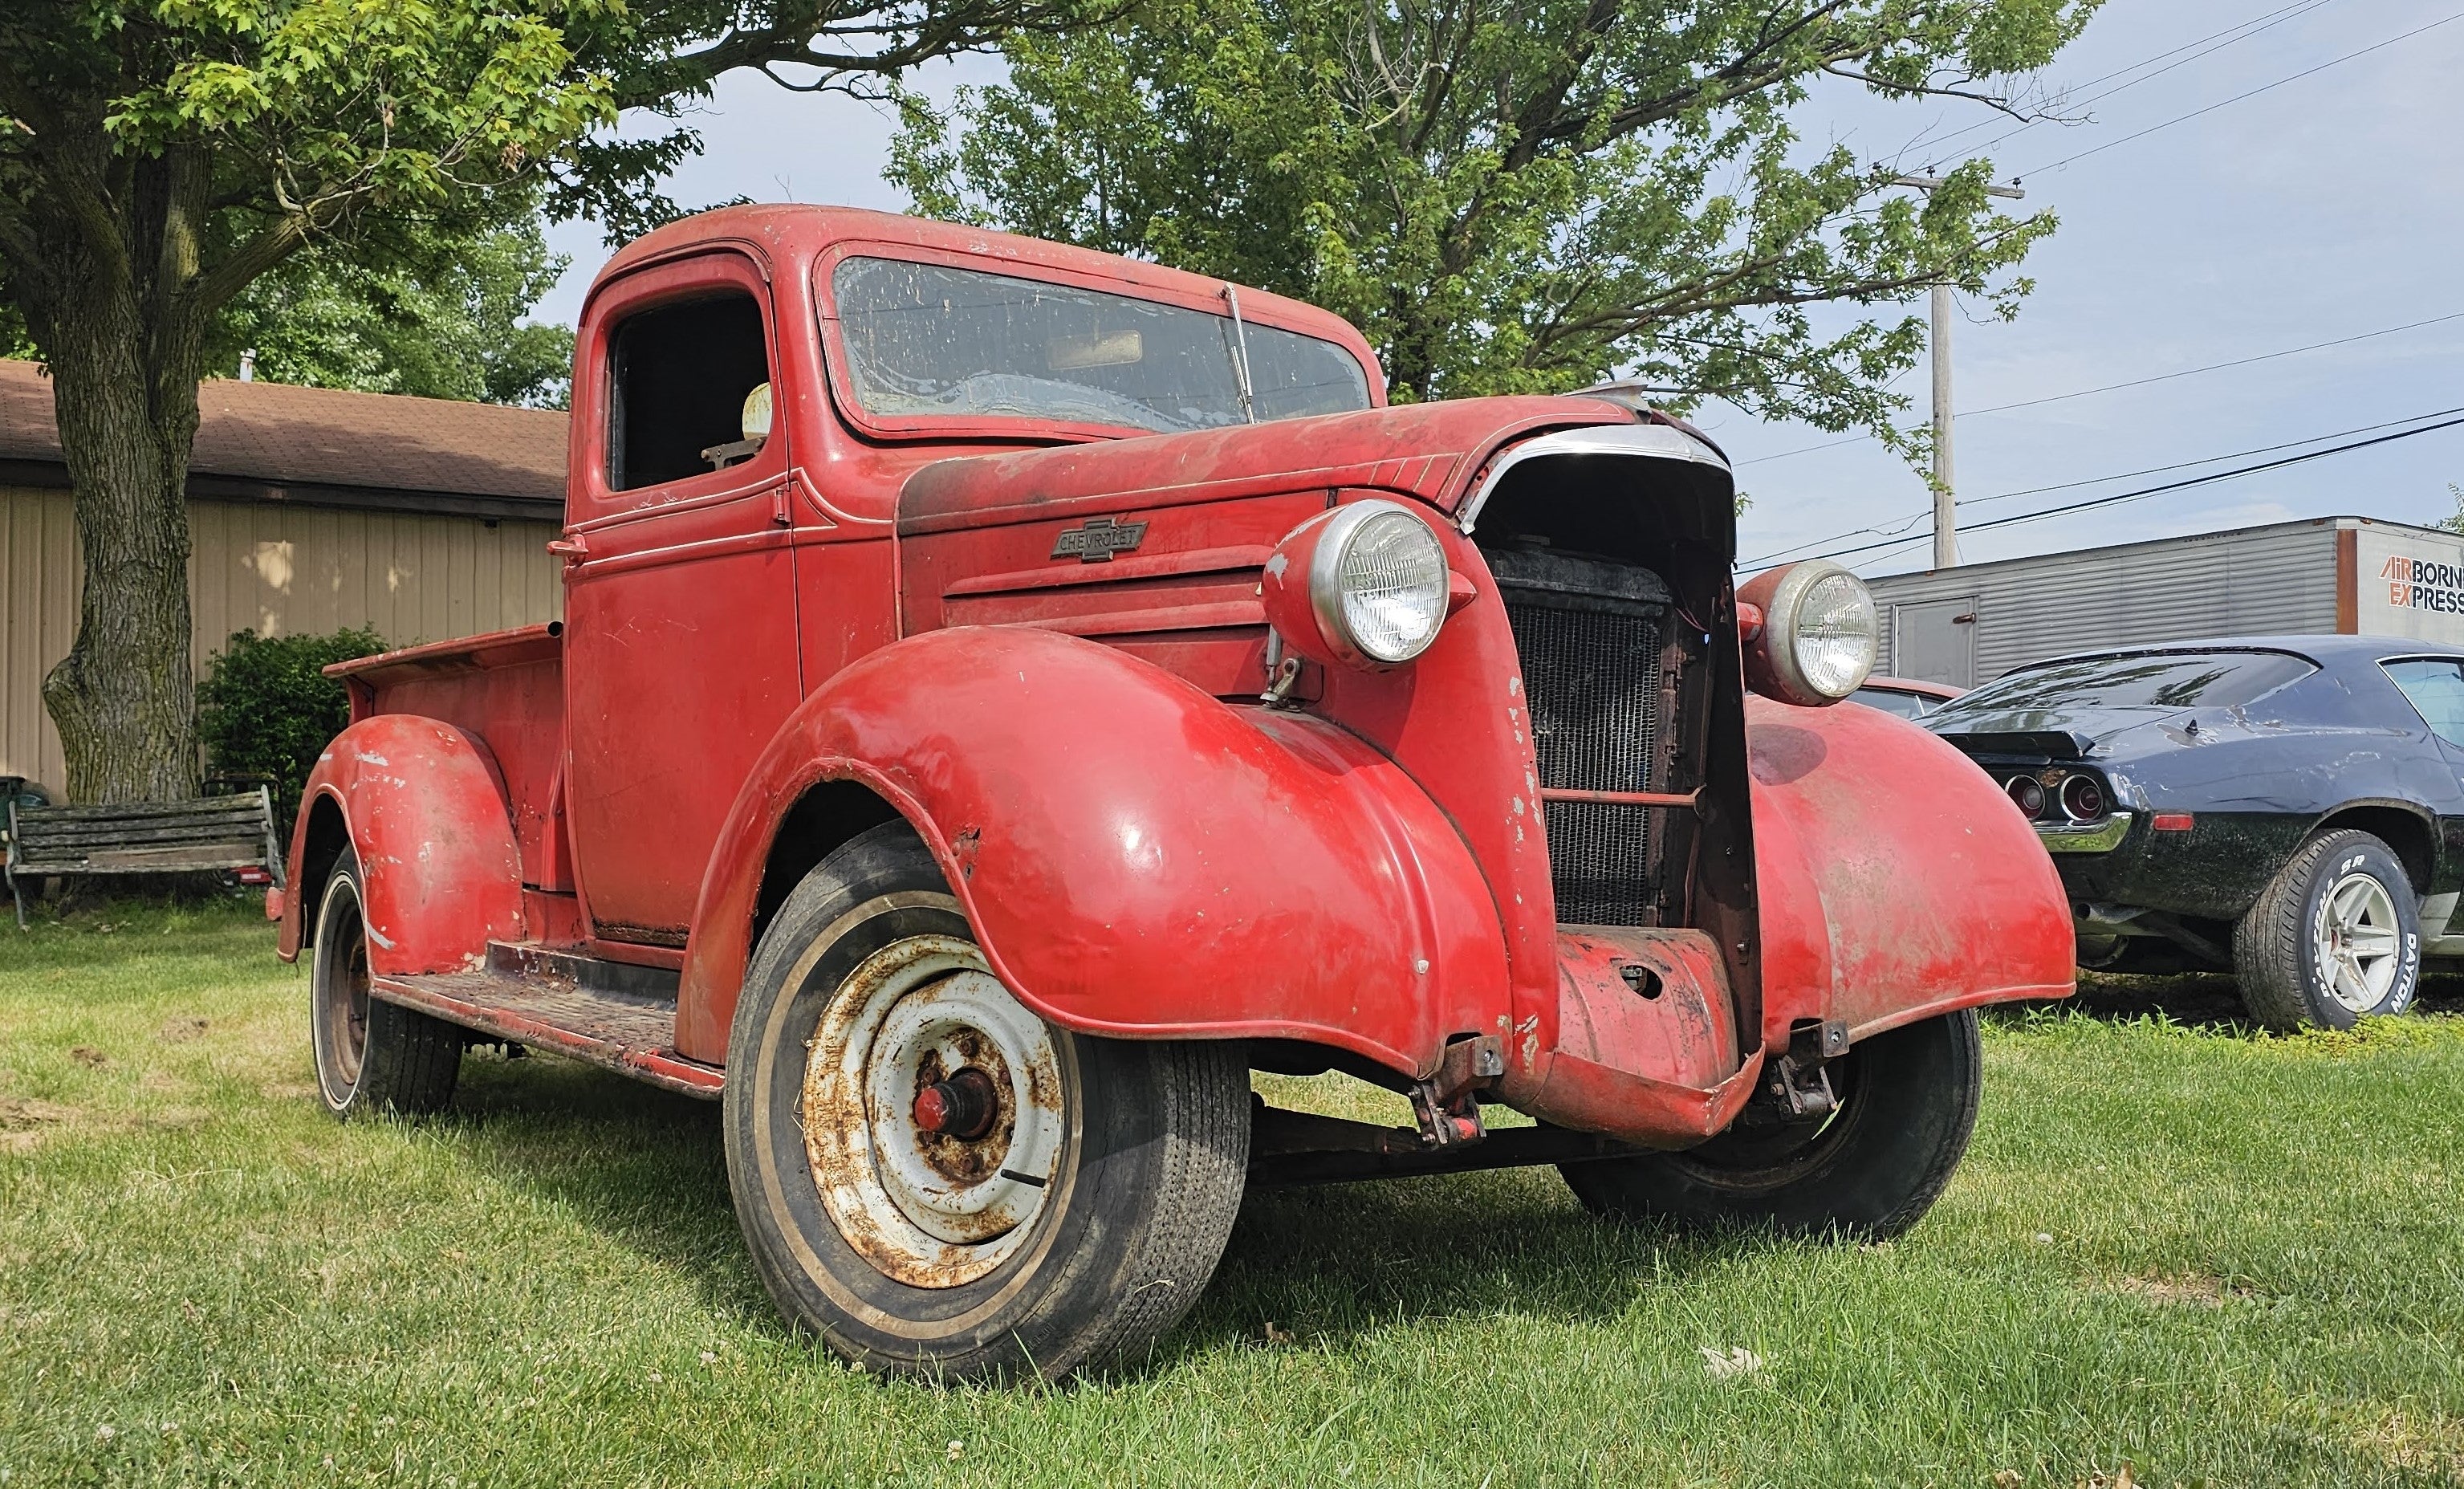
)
(919, 1033)
(340, 993)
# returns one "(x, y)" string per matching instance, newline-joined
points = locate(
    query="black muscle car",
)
(2287, 808)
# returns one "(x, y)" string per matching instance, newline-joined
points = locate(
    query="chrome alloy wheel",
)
(2356, 940)
(932, 1113)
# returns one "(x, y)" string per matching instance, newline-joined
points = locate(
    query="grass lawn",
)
(2216, 1256)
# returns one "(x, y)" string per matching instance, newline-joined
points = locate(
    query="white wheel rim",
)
(2357, 942)
(930, 1208)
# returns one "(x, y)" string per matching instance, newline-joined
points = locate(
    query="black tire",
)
(1907, 1105)
(371, 1056)
(2290, 977)
(1143, 1164)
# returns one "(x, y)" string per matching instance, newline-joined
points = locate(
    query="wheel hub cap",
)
(963, 1106)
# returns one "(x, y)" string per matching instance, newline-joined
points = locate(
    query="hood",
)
(1432, 452)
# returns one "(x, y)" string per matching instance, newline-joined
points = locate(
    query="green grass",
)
(2221, 1257)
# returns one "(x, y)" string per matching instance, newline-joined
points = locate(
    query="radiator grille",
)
(1592, 680)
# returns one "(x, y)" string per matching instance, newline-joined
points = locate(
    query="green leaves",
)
(432, 315)
(265, 706)
(1525, 199)
(333, 103)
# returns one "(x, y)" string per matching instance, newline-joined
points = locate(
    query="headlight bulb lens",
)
(1389, 583)
(1836, 635)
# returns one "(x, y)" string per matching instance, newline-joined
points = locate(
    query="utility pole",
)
(1946, 503)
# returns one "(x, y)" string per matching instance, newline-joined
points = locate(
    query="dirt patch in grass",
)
(2191, 1292)
(181, 1030)
(23, 1121)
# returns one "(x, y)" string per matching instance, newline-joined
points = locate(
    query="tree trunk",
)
(123, 698)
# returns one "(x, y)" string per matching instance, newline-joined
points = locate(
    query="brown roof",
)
(323, 446)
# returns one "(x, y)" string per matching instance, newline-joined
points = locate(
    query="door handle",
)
(572, 550)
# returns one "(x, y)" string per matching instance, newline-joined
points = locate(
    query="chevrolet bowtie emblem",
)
(1099, 539)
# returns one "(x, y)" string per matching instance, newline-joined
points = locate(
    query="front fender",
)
(1138, 859)
(1896, 880)
(425, 808)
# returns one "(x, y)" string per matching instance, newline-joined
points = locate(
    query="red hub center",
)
(963, 1106)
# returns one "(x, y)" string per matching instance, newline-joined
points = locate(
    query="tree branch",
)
(1993, 102)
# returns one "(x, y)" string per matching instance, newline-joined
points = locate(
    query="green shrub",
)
(265, 707)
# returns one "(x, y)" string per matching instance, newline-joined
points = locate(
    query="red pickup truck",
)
(1008, 693)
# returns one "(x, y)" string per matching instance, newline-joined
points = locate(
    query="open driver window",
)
(683, 378)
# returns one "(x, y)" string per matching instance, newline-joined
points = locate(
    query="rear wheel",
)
(371, 1056)
(2334, 936)
(1868, 1170)
(938, 1181)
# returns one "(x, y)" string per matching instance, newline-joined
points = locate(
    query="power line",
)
(2169, 486)
(2109, 387)
(2237, 98)
(2245, 29)
(1904, 523)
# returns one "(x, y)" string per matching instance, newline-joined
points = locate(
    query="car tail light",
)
(2027, 795)
(2082, 798)
(2171, 821)
(252, 874)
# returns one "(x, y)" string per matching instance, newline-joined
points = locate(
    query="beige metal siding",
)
(2278, 579)
(275, 569)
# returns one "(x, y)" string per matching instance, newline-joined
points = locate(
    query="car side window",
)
(2435, 689)
(689, 392)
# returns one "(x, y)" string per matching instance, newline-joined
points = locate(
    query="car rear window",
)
(928, 340)
(2136, 680)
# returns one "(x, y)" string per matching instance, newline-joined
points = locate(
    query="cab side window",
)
(2436, 690)
(682, 380)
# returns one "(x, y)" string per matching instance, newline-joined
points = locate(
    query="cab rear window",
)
(2137, 680)
(932, 341)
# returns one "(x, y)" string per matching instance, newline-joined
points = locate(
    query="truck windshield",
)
(931, 340)
(2139, 680)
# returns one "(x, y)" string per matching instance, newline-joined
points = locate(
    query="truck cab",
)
(1009, 694)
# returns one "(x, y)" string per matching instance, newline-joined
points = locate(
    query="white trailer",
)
(2328, 576)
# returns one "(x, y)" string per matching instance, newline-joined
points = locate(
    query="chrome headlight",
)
(1820, 633)
(1377, 584)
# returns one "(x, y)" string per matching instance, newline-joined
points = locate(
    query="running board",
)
(602, 1013)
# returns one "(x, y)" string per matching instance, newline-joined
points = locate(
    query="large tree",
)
(1522, 197)
(429, 317)
(157, 157)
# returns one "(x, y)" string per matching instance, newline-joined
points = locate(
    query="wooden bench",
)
(150, 837)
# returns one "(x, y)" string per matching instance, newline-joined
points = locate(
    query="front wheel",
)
(1867, 1172)
(2335, 936)
(936, 1180)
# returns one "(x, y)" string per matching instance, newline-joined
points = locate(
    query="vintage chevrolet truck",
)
(1009, 694)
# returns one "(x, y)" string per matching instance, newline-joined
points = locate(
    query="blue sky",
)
(2323, 209)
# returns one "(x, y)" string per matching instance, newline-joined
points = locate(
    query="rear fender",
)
(1138, 859)
(425, 808)
(1896, 880)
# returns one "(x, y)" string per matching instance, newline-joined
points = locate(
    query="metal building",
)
(309, 509)
(2340, 576)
